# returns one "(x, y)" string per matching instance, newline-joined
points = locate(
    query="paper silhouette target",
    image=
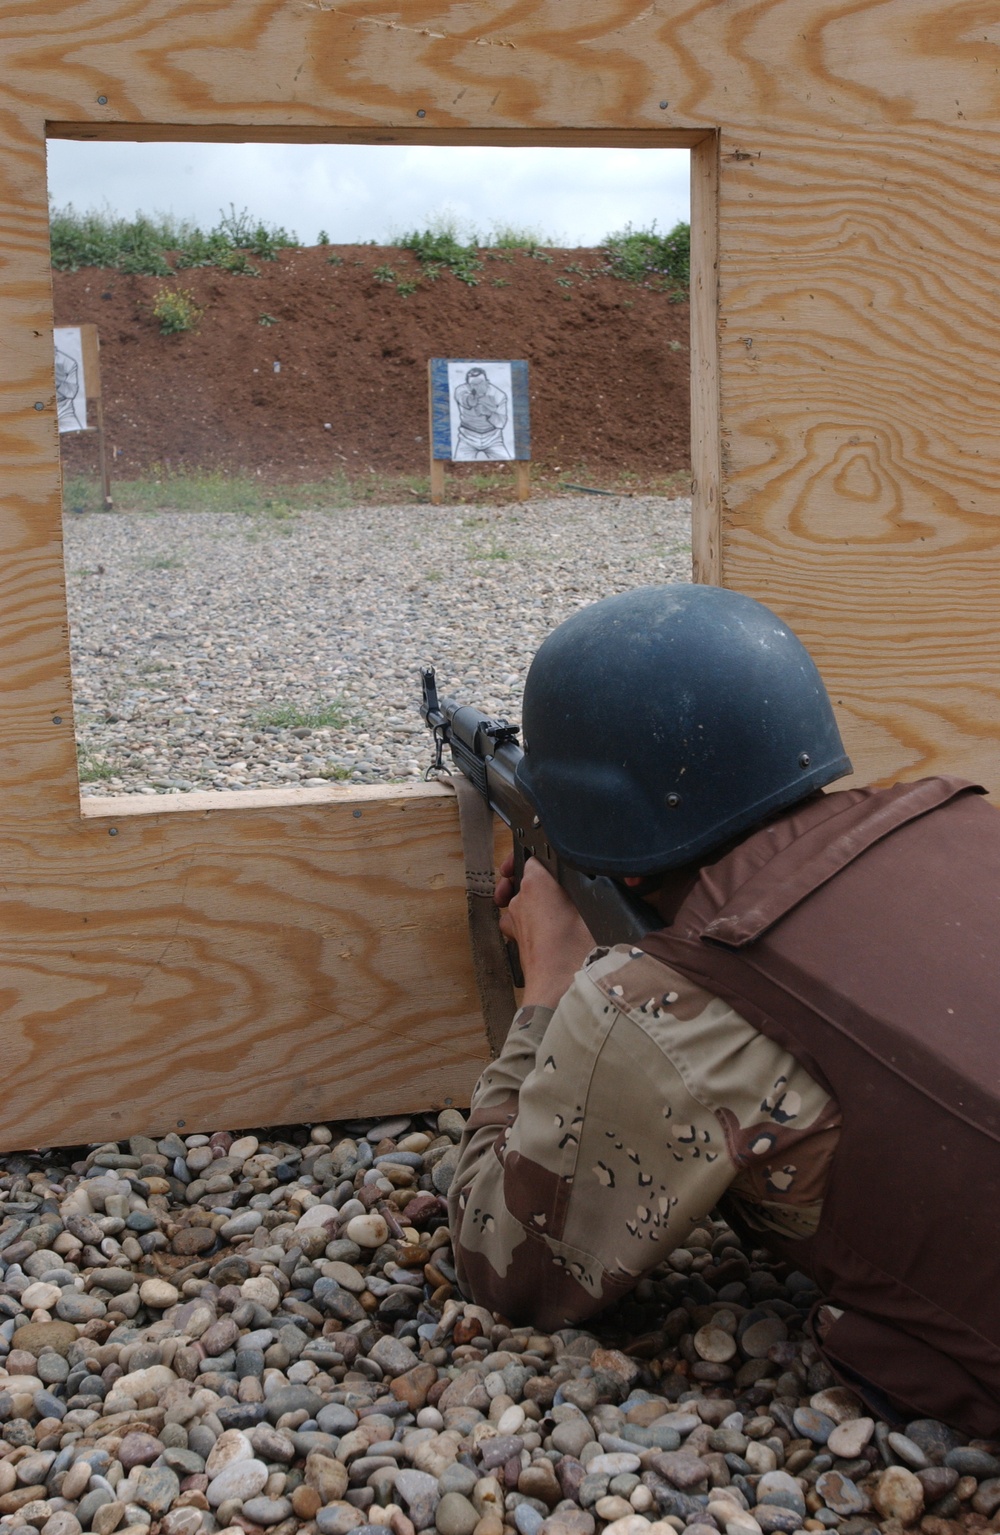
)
(479, 410)
(71, 393)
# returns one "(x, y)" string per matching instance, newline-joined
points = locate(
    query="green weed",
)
(646, 256)
(163, 562)
(493, 551)
(266, 319)
(176, 310)
(440, 247)
(516, 237)
(105, 240)
(322, 238)
(291, 717)
(91, 766)
(335, 260)
(238, 263)
(144, 244)
(384, 274)
(246, 233)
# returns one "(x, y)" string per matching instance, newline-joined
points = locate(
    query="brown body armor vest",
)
(861, 930)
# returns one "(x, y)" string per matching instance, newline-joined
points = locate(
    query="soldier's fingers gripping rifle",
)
(485, 751)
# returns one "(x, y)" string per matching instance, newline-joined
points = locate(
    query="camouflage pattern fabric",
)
(605, 1131)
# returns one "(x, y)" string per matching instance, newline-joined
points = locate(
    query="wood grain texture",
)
(224, 965)
(706, 458)
(270, 960)
(860, 388)
(90, 347)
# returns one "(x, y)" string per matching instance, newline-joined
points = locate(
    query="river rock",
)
(62, 1522)
(934, 1438)
(936, 1482)
(393, 1356)
(539, 1481)
(618, 1463)
(838, 1403)
(40, 1296)
(780, 1489)
(74, 1307)
(466, 1390)
(840, 1494)
(985, 1500)
(455, 1515)
(419, 1492)
(849, 1437)
(714, 1345)
(241, 1479)
(572, 1521)
(570, 1436)
(899, 1495)
(232, 1446)
(152, 1381)
(970, 1462)
(293, 1398)
(217, 1338)
(158, 1294)
(154, 1488)
(138, 1449)
(327, 1475)
(368, 1231)
(775, 1520)
(267, 1511)
(33, 1337)
(908, 1452)
(338, 1519)
(760, 1337)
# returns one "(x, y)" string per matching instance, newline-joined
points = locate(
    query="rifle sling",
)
(489, 953)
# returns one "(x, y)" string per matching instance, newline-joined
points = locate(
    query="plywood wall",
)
(217, 964)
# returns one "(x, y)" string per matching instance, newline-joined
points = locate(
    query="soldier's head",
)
(476, 379)
(661, 723)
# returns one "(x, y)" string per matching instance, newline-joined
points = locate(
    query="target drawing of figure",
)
(68, 392)
(482, 417)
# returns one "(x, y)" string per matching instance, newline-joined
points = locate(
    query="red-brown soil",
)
(609, 364)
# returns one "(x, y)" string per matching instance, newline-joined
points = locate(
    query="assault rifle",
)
(487, 752)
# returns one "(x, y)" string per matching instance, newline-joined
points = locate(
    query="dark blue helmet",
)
(661, 723)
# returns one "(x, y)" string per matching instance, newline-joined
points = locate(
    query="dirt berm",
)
(320, 363)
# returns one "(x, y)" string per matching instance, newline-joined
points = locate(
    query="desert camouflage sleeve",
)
(606, 1130)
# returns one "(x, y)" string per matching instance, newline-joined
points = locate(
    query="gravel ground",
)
(215, 650)
(261, 1333)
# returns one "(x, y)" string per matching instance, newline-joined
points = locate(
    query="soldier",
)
(810, 1040)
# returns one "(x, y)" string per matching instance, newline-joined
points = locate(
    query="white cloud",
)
(369, 192)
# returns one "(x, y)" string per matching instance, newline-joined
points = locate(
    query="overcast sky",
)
(357, 193)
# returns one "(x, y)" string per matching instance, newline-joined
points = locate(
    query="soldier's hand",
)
(551, 936)
(503, 890)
